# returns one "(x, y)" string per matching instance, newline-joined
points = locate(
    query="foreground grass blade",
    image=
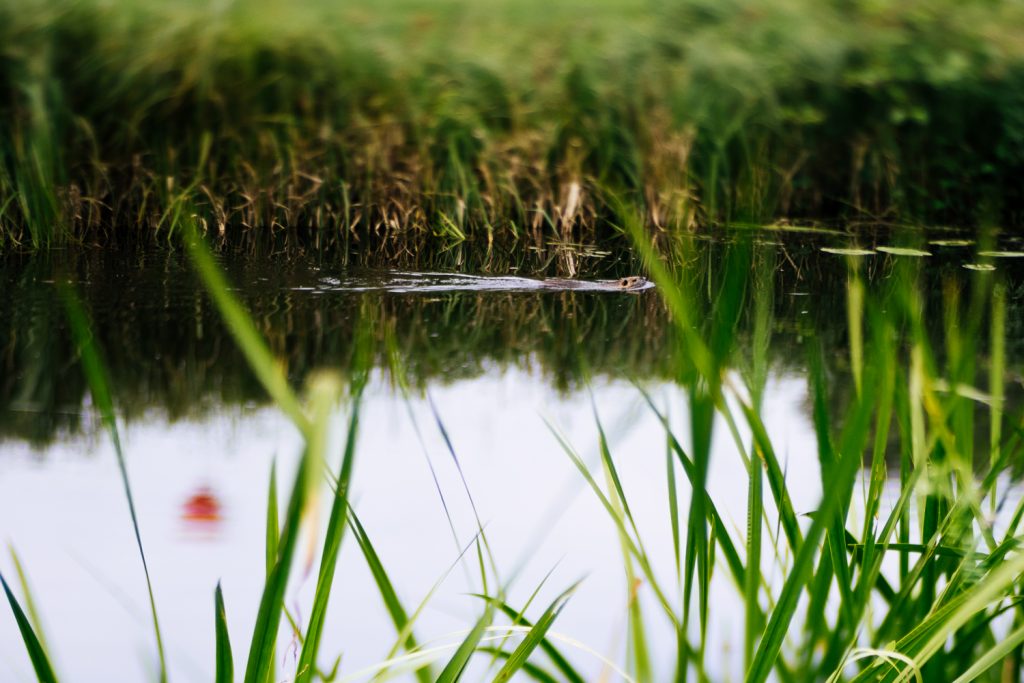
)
(225, 665)
(273, 521)
(261, 361)
(469, 496)
(620, 524)
(517, 618)
(776, 478)
(40, 662)
(557, 658)
(264, 635)
(407, 630)
(534, 638)
(394, 606)
(638, 649)
(752, 579)
(324, 391)
(993, 656)
(30, 604)
(273, 535)
(714, 518)
(528, 669)
(840, 481)
(930, 636)
(455, 667)
(329, 560)
(96, 375)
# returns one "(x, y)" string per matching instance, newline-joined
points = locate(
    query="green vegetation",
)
(919, 583)
(591, 137)
(414, 126)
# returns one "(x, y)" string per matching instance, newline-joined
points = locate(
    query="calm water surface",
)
(200, 438)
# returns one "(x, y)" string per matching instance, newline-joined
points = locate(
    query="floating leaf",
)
(800, 228)
(847, 251)
(1002, 254)
(951, 243)
(904, 251)
(984, 267)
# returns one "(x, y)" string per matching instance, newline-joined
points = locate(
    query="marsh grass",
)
(452, 128)
(95, 371)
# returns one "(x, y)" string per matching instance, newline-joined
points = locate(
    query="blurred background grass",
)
(416, 126)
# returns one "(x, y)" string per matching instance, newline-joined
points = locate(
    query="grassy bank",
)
(415, 126)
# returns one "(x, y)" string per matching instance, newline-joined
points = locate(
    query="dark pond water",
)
(493, 363)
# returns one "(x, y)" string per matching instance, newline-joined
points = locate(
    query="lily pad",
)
(847, 251)
(984, 267)
(904, 251)
(1002, 254)
(951, 243)
(801, 228)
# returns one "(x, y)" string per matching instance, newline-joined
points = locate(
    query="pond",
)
(470, 389)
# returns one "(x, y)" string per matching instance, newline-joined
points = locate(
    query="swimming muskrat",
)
(412, 283)
(633, 283)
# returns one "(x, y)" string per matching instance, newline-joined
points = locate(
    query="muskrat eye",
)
(624, 282)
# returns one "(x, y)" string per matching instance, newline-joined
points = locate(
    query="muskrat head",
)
(632, 282)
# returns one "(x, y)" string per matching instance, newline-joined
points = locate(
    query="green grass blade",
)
(529, 669)
(673, 511)
(36, 652)
(840, 481)
(714, 518)
(267, 370)
(931, 635)
(613, 474)
(752, 578)
(407, 630)
(637, 652)
(816, 623)
(96, 376)
(455, 667)
(620, 524)
(268, 618)
(518, 617)
(30, 603)
(668, 288)
(697, 551)
(273, 540)
(388, 594)
(997, 374)
(225, 672)
(673, 507)
(835, 535)
(469, 496)
(557, 658)
(993, 656)
(328, 562)
(638, 640)
(534, 637)
(273, 520)
(324, 391)
(776, 479)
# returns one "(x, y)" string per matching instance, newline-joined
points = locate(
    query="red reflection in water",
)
(202, 511)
